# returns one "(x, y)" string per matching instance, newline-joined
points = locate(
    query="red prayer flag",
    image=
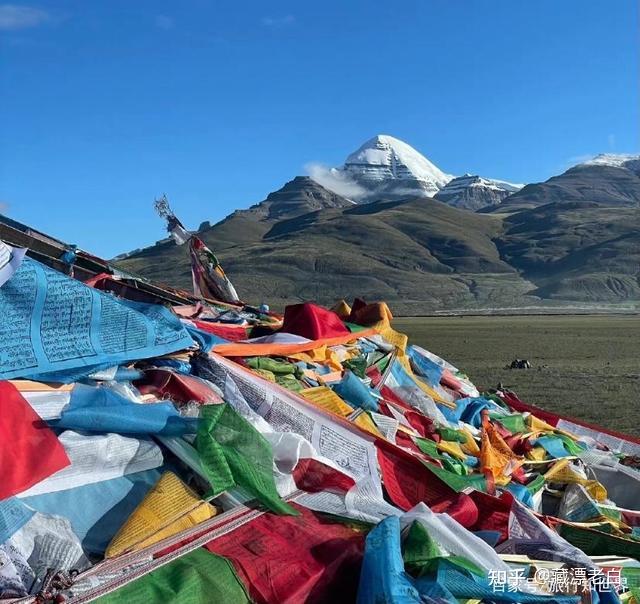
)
(408, 482)
(493, 513)
(177, 387)
(30, 449)
(314, 476)
(294, 559)
(312, 321)
(233, 333)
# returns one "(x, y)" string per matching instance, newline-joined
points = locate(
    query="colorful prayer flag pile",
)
(217, 452)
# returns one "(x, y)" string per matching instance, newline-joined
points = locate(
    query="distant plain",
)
(587, 367)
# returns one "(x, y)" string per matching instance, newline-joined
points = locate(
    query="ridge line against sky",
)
(107, 105)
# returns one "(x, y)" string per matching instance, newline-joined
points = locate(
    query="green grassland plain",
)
(582, 366)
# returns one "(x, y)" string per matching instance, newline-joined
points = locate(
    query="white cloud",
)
(281, 21)
(335, 180)
(580, 159)
(164, 22)
(16, 16)
(611, 139)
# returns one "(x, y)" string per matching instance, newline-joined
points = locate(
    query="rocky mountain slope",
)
(299, 196)
(610, 180)
(474, 192)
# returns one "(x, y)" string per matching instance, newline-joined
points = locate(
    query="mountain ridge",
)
(303, 241)
(605, 184)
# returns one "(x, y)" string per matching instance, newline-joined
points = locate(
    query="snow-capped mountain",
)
(385, 160)
(615, 160)
(474, 192)
(386, 168)
(606, 179)
(574, 237)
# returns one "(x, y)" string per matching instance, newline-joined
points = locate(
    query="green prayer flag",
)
(383, 363)
(514, 423)
(429, 447)
(234, 453)
(273, 365)
(536, 484)
(358, 365)
(199, 577)
(571, 445)
(455, 466)
(456, 482)
(289, 382)
(632, 575)
(610, 513)
(597, 543)
(452, 435)
(419, 549)
(211, 453)
(354, 327)
(422, 555)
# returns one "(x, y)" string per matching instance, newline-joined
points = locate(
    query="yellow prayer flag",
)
(562, 472)
(342, 309)
(537, 454)
(453, 448)
(327, 399)
(470, 446)
(168, 508)
(366, 423)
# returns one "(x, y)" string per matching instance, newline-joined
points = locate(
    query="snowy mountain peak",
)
(386, 168)
(385, 157)
(612, 159)
(473, 192)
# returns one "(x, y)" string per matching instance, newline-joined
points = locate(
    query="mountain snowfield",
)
(385, 167)
(612, 159)
(384, 158)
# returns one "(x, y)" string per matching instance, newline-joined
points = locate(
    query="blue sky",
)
(106, 105)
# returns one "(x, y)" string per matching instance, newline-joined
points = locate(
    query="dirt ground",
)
(583, 366)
